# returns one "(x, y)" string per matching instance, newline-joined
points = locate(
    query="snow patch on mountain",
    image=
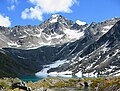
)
(117, 73)
(55, 15)
(43, 72)
(23, 36)
(79, 74)
(54, 36)
(13, 44)
(92, 74)
(80, 22)
(107, 28)
(74, 34)
(52, 39)
(54, 18)
(61, 74)
(62, 49)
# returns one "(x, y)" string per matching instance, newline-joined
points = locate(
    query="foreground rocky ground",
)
(62, 84)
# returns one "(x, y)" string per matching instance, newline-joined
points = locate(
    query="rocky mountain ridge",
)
(100, 58)
(61, 47)
(56, 30)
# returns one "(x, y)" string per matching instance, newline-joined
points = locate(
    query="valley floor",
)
(62, 84)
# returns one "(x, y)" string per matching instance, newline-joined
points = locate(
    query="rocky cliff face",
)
(10, 67)
(101, 58)
(59, 46)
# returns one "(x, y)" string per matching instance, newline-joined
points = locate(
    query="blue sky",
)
(33, 12)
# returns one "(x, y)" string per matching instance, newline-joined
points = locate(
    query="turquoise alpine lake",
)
(35, 78)
(30, 78)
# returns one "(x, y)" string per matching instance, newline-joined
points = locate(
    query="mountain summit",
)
(55, 30)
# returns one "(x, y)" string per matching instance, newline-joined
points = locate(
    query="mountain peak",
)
(55, 18)
(55, 15)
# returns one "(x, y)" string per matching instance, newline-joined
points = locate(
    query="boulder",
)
(1, 87)
(21, 85)
(86, 84)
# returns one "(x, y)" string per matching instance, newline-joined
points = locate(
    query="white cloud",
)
(32, 13)
(4, 21)
(12, 7)
(48, 6)
(52, 6)
(80, 22)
